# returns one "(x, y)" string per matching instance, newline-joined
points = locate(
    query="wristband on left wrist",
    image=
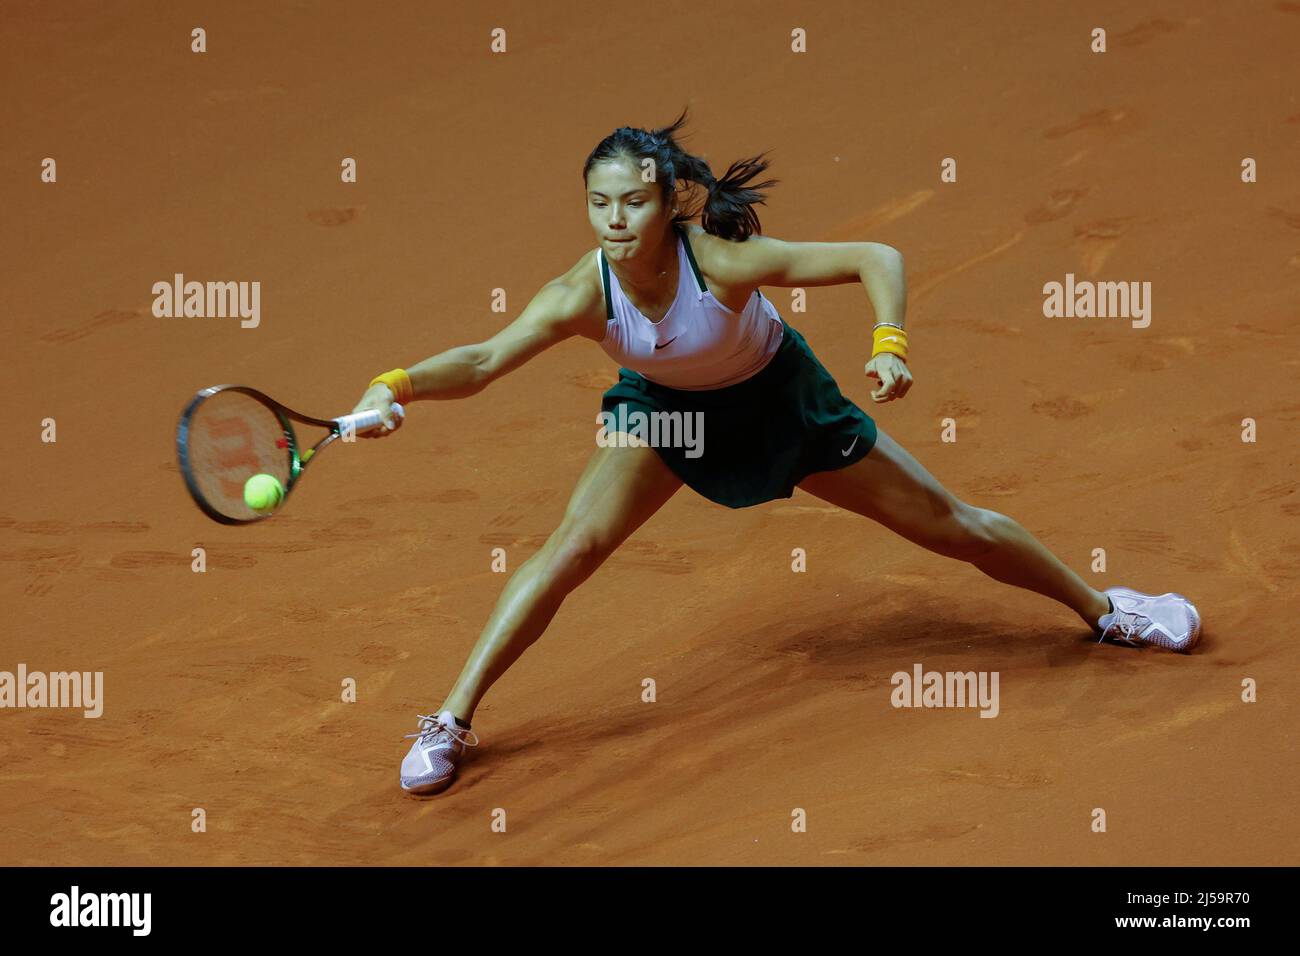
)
(889, 338)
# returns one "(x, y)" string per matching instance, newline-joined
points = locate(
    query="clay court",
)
(222, 689)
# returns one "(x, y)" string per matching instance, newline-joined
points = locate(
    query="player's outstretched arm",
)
(554, 314)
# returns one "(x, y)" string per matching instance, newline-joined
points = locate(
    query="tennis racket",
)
(229, 433)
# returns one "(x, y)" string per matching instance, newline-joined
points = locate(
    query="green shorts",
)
(757, 439)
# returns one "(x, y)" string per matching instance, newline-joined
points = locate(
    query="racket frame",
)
(299, 458)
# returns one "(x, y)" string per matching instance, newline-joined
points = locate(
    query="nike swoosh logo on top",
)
(666, 344)
(846, 451)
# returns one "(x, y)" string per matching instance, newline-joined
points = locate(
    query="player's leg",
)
(618, 491)
(892, 487)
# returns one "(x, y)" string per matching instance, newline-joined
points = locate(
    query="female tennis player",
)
(678, 307)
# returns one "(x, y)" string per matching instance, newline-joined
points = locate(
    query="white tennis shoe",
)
(1164, 620)
(430, 764)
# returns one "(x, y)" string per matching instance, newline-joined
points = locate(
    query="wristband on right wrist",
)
(399, 383)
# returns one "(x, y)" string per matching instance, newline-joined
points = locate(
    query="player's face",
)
(628, 216)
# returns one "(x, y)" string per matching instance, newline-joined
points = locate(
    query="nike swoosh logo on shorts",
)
(846, 451)
(666, 344)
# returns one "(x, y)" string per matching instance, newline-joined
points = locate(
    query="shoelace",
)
(431, 728)
(1129, 627)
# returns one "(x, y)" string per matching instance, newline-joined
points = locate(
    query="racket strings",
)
(233, 436)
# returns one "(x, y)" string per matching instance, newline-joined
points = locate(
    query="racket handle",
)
(366, 421)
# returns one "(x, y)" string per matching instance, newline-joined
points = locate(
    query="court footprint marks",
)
(1059, 204)
(1168, 723)
(957, 409)
(523, 432)
(1273, 492)
(131, 560)
(1145, 32)
(1001, 779)
(281, 663)
(1290, 219)
(996, 486)
(520, 506)
(44, 565)
(367, 504)
(1097, 240)
(446, 497)
(1277, 493)
(330, 218)
(1144, 541)
(836, 651)
(1152, 542)
(807, 510)
(222, 560)
(597, 379)
(116, 527)
(102, 320)
(881, 215)
(53, 527)
(924, 283)
(377, 654)
(415, 608)
(985, 327)
(351, 528)
(1160, 354)
(398, 503)
(1104, 119)
(47, 527)
(1062, 408)
(503, 539)
(963, 413)
(933, 833)
(653, 557)
(219, 557)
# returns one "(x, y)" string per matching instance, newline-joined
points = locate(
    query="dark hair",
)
(727, 211)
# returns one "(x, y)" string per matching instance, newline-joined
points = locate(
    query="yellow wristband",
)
(399, 383)
(889, 338)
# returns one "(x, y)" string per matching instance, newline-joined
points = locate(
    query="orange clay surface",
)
(223, 689)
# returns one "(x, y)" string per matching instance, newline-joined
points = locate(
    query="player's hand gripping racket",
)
(238, 449)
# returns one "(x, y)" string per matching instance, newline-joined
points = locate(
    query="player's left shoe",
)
(1164, 620)
(430, 764)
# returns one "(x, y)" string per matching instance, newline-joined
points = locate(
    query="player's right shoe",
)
(430, 764)
(1165, 620)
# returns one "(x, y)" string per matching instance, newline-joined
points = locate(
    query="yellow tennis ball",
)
(263, 493)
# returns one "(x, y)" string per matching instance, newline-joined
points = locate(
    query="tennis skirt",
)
(753, 441)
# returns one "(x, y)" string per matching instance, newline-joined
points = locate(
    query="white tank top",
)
(699, 343)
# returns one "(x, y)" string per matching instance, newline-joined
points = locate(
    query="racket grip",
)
(366, 421)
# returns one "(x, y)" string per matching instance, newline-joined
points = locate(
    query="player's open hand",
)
(379, 397)
(893, 375)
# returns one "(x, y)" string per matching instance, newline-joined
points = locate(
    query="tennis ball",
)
(263, 493)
